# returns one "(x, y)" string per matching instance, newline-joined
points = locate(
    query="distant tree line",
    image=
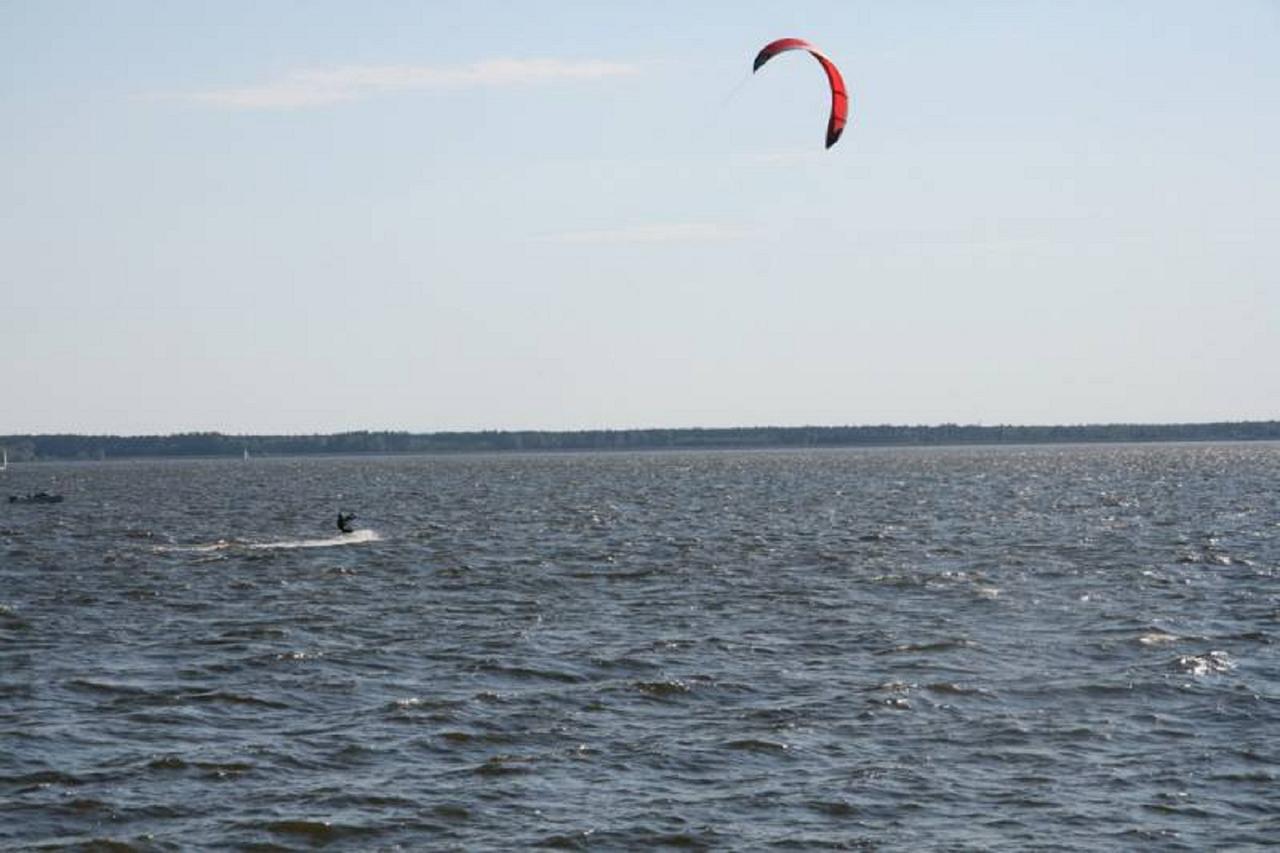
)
(23, 448)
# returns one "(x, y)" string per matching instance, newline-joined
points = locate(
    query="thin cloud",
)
(671, 232)
(320, 86)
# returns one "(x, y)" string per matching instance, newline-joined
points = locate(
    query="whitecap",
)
(1209, 663)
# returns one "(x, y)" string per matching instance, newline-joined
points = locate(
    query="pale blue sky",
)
(319, 216)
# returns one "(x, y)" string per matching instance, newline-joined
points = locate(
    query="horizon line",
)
(655, 429)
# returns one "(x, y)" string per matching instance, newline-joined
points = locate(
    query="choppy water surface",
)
(989, 648)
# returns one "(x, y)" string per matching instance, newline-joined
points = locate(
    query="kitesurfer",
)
(344, 521)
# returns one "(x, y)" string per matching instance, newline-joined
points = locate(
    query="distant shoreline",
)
(69, 447)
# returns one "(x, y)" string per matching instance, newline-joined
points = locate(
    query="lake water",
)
(1049, 647)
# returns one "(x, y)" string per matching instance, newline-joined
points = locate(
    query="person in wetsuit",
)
(344, 521)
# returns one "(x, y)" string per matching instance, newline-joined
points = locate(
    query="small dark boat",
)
(36, 498)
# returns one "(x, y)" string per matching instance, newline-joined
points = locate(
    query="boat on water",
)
(36, 498)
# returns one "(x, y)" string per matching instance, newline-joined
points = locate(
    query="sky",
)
(308, 217)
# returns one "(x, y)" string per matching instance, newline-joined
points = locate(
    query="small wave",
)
(10, 618)
(580, 841)
(224, 769)
(299, 655)
(129, 695)
(505, 765)
(835, 808)
(312, 832)
(316, 830)
(212, 769)
(1249, 636)
(664, 688)
(938, 646)
(86, 805)
(524, 672)
(1212, 558)
(42, 779)
(167, 762)
(1261, 777)
(894, 687)
(757, 745)
(898, 580)
(457, 737)
(410, 703)
(108, 687)
(452, 811)
(950, 688)
(637, 574)
(107, 845)
(227, 697)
